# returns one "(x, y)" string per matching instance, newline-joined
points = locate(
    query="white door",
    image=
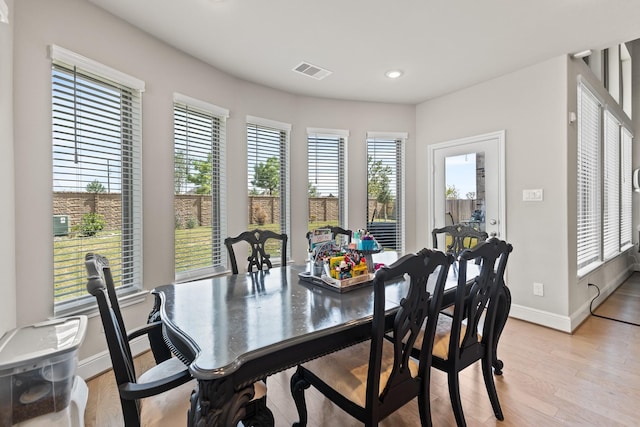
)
(467, 184)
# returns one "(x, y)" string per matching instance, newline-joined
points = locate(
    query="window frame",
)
(195, 111)
(90, 77)
(340, 137)
(609, 175)
(284, 130)
(399, 139)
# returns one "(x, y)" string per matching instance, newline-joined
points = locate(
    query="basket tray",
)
(337, 285)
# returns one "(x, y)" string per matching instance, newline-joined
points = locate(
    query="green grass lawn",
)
(193, 249)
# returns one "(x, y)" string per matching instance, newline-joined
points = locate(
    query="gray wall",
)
(532, 105)
(83, 28)
(7, 211)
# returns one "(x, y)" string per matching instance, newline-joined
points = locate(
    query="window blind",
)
(588, 221)
(385, 190)
(268, 178)
(199, 204)
(326, 156)
(611, 186)
(626, 189)
(96, 158)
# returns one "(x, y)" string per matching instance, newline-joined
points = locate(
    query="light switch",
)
(535, 195)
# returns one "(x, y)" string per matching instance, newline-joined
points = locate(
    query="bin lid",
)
(42, 340)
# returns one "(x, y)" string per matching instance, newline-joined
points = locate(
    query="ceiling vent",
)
(312, 70)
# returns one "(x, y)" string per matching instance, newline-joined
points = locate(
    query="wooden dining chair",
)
(373, 379)
(257, 240)
(458, 341)
(462, 237)
(335, 232)
(161, 395)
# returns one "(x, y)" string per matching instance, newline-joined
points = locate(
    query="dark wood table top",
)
(264, 322)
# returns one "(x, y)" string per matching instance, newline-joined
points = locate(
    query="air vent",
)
(312, 70)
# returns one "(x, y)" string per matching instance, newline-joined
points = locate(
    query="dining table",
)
(234, 330)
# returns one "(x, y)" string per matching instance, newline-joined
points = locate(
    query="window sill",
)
(91, 309)
(589, 268)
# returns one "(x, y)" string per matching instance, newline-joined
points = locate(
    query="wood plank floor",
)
(589, 378)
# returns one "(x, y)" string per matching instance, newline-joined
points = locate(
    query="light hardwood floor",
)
(589, 378)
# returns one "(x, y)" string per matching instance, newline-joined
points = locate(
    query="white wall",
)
(83, 28)
(530, 105)
(7, 211)
(533, 106)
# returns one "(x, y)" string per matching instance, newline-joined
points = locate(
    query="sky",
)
(461, 172)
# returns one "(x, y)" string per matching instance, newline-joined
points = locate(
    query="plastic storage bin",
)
(37, 368)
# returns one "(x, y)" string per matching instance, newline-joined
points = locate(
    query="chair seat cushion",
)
(443, 336)
(346, 370)
(169, 408)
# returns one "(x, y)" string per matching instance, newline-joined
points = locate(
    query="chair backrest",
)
(470, 306)
(462, 237)
(416, 305)
(257, 240)
(335, 232)
(100, 285)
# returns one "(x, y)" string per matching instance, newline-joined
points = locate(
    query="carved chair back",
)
(462, 237)
(258, 257)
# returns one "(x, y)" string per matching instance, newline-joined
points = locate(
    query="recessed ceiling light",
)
(393, 74)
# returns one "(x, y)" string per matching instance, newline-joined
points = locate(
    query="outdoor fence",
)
(196, 208)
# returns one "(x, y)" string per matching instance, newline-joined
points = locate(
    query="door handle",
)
(493, 234)
(493, 221)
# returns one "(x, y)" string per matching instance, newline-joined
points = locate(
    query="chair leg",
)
(454, 396)
(424, 404)
(298, 385)
(489, 383)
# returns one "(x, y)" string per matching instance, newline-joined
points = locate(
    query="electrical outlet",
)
(538, 289)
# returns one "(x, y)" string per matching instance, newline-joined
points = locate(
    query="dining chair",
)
(335, 232)
(462, 237)
(161, 395)
(373, 379)
(258, 241)
(468, 336)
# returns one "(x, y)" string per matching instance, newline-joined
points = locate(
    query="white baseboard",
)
(101, 362)
(570, 323)
(540, 317)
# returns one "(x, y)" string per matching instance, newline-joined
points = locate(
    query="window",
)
(604, 183)
(588, 233)
(611, 186)
(385, 188)
(626, 191)
(199, 205)
(326, 152)
(96, 175)
(268, 176)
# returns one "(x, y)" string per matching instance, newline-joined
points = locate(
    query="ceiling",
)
(440, 45)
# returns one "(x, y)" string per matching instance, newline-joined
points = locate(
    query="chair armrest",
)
(133, 391)
(143, 330)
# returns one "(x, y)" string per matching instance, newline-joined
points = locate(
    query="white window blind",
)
(326, 156)
(588, 232)
(268, 177)
(199, 203)
(611, 186)
(626, 190)
(385, 189)
(96, 142)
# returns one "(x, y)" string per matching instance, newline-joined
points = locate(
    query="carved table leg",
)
(502, 314)
(216, 403)
(298, 385)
